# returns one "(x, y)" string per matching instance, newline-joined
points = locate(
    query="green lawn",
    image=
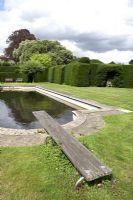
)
(43, 172)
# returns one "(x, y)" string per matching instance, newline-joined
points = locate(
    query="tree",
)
(96, 61)
(59, 54)
(84, 60)
(131, 62)
(44, 59)
(31, 68)
(113, 63)
(15, 39)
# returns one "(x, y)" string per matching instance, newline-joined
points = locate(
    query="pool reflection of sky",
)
(16, 109)
(1, 4)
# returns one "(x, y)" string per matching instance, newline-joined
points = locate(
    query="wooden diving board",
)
(83, 160)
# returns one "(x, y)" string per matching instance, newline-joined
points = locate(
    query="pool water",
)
(16, 109)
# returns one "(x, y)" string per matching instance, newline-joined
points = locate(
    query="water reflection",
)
(16, 109)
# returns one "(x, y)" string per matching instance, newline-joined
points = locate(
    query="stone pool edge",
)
(88, 118)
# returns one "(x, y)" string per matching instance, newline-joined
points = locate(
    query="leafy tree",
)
(44, 59)
(96, 61)
(31, 68)
(15, 39)
(59, 54)
(113, 63)
(84, 60)
(131, 62)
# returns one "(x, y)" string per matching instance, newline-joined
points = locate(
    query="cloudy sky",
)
(101, 29)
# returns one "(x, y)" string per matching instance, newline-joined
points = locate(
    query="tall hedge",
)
(51, 74)
(42, 76)
(113, 73)
(59, 74)
(128, 76)
(77, 74)
(93, 73)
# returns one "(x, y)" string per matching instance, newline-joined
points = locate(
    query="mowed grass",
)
(44, 172)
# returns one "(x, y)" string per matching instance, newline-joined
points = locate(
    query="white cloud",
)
(74, 23)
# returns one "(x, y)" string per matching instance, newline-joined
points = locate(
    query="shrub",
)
(128, 76)
(51, 74)
(31, 68)
(93, 73)
(113, 73)
(59, 74)
(84, 60)
(42, 76)
(96, 61)
(77, 74)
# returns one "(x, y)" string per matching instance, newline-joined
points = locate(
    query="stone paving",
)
(21, 137)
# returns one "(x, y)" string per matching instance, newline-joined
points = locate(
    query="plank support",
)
(79, 181)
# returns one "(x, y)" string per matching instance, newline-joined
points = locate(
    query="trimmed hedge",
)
(13, 72)
(93, 73)
(128, 76)
(59, 72)
(77, 74)
(42, 76)
(51, 74)
(113, 73)
(9, 68)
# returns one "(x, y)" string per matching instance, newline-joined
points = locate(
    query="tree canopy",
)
(31, 68)
(84, 60)
(15, 39)
(45, 59)
(58, 53)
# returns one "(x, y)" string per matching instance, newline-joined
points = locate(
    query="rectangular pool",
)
(16, 109)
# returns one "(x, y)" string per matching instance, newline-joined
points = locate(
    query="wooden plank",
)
(85, 162)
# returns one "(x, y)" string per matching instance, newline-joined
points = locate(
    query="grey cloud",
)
(90, 41)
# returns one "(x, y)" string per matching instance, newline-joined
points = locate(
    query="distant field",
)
(43, 172)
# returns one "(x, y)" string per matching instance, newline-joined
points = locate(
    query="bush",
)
(77, 74)
(96, 61)
(59, 74)
(128, 76)
(42, 76)
(9, 68)
(84, 60)
(113, 73)
(93, 73)
(51, 74)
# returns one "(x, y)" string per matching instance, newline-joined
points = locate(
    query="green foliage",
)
(93, 72)
(4, 75)
(42, 76)
(84, 60)
(96, 61)
(44, 59)
(128, 76)
(59, 74)
(51, 74)
(59, 54)
(113, 73)
(77, 74)
(31, 68)
(14, 72)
